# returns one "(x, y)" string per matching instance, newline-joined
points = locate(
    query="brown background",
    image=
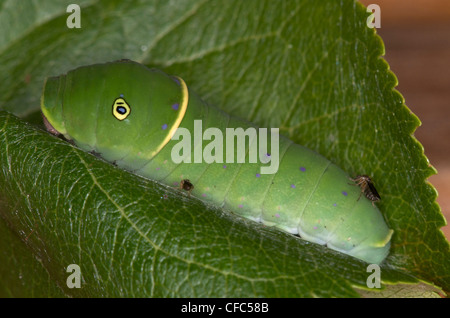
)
(416, 34)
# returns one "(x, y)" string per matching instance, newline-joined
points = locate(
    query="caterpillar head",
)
(115, 108)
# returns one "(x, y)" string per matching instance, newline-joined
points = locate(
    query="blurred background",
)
(416, 35)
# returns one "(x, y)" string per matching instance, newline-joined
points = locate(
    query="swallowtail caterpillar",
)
(129, 113)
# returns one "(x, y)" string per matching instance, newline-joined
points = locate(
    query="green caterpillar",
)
(132, 115)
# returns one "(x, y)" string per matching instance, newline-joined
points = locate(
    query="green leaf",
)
(312, 68)
(21, 270)
(134, 237)
(404, 291)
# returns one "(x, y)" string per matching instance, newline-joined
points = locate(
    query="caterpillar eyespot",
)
(121, 109)
(306, 195)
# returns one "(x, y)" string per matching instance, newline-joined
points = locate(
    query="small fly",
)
(367, 187)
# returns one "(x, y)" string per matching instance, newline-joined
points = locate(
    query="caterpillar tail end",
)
(376, 252)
